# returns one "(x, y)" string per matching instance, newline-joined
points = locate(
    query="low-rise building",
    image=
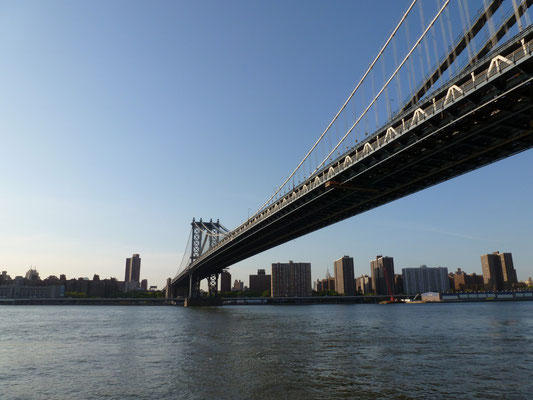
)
(461, 281)
(261, 282)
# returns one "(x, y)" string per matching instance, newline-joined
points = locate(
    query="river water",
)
(359, 351)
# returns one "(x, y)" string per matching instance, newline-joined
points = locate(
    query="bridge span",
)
(482, 115)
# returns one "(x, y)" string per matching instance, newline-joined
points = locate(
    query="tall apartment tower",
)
(225, 281)
(344, 276)
(508, 271)
(133, 269)
(498, 271)
(291, 279)
(381, 268)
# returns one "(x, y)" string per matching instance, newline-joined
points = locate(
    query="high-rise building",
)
(425, 279)
(498, 271)
(291, 279)
(382, 273)
(492, 272)
(133, 269)
(225, 281)
(508, 272)
(344, 276)
(144, 284)
(326, 284)
(260, 282)
(398, 283)
(238, 286)
(363, 284)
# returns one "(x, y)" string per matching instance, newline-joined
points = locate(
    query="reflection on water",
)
(267, 352)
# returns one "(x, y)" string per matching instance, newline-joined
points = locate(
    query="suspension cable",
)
(184, 254)
(385, 85)
(344, 105)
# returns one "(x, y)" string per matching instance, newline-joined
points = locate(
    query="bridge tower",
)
(204, 236)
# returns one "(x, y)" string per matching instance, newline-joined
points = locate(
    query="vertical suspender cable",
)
(466, 29)
(450, 36)
(387, 100)
(399, 99)
(374, 94)
(469, 22)
(409, 70)
(517, 15)
(426, 47)
(490, 23)
(437, 61)
(445, 41)
(523, 4)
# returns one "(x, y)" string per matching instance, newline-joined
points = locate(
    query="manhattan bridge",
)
(449, 91)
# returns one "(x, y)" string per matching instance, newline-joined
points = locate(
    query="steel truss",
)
(205, 236)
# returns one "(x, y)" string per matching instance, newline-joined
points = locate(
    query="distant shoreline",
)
(92, 301)
(243, 301)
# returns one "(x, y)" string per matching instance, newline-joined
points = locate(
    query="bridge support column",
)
(212, 284)
(194, 286)
(195, 299)
(169, 290)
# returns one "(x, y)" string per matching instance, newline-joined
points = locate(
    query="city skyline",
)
(358, 270)
(68, 146)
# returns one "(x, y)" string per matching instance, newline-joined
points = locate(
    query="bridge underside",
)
(494, 122)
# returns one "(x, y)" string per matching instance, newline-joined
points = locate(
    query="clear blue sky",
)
(121, 121)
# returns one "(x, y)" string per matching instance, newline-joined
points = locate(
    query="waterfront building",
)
(52, 287)
(133, 269)
(398, 284)
(225, 281)
(425, 279)
(363, 284)
(344, 276)
(382, 274)
(291, 279)
(498, 271)
(529, 282)
(144, 284)
(260, 282)
(508, 271)
(16, 291)
(461, 281)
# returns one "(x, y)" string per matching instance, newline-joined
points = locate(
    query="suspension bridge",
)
(396, 134)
